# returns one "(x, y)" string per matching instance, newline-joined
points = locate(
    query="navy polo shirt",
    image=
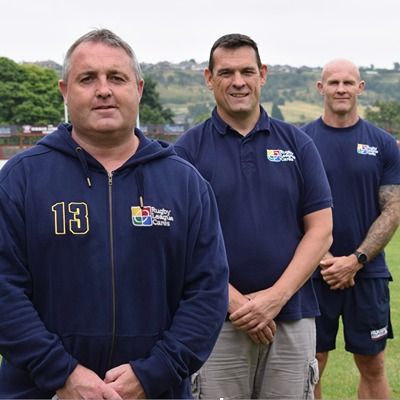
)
(265, 183)
(358, 160)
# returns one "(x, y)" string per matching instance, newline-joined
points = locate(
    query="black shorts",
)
(365, 312)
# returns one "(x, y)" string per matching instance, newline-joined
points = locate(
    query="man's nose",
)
(103, 88)
(238, 80)
(341, 87)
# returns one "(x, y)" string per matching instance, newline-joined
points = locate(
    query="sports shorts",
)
(238, 368)
(365, 312)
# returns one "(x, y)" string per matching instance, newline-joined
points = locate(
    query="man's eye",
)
(86, 79)
(117, 78)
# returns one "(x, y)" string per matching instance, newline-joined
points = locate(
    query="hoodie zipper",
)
(110, 203)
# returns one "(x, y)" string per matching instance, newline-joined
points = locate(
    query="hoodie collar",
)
(147, 151)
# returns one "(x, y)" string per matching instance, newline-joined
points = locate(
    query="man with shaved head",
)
(363, 167)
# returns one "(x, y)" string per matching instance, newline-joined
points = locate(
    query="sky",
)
(293, 32)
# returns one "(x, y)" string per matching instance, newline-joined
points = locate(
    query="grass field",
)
(341, 376)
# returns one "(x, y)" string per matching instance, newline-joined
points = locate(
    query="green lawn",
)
(341, 376)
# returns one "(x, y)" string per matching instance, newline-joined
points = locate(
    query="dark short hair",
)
(233, 41)
(108, 38)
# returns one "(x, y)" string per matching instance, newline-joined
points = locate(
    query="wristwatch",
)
(361, 257)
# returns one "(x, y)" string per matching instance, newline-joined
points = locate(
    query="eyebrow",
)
(341, 80)
(91, 72)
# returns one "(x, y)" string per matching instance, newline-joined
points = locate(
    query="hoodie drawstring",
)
(84, 165)
(140, 184)
(139, 174)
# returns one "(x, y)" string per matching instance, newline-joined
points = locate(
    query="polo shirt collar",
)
(263, 124)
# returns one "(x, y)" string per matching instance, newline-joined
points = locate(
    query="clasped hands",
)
(339, 272)
(119, 383)
(255, 314)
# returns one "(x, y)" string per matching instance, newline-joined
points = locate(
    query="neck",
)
(109, 151)
(340, 120)
(243, 123)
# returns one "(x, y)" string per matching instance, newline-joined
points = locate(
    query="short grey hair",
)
(108, 38)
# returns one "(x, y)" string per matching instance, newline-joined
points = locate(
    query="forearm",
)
(379, 234)
(266, 304)
(309, 252)
(383, 228)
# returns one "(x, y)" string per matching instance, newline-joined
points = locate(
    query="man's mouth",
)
(104, 107)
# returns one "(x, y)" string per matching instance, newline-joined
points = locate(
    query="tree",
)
(385, 114)
(29, 95)
(199, 112)
(10, 95)
(151, 110)
(276, 112)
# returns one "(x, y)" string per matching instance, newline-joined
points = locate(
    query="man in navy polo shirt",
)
(275, 209)
(363, 168)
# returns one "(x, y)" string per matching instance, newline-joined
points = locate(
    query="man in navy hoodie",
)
(113, 273)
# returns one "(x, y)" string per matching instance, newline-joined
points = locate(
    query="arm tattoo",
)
(383, 228)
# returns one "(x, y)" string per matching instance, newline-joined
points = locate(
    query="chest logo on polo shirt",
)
(366, 150)
(276, 155)
(151, 216)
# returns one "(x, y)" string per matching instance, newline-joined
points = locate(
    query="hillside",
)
(182, 89)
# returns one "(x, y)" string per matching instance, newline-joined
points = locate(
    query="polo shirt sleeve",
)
(391, 164)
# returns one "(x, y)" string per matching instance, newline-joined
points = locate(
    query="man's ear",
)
(320, 88)
(361, 87)
(140, 87)
(208, 79)
(263, 74)
(63, 89)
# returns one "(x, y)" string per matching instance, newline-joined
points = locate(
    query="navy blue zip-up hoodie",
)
(105, 269)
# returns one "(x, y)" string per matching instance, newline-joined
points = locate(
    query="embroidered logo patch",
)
(151, 216)
(141, 216)
(379, 333)
(276, 155)
(367, 150)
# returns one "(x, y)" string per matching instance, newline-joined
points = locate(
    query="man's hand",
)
(264, 336)
(322, 263)
(258, 313)
(260, 336)
(339, 272)
(85, 384)
(123, 380)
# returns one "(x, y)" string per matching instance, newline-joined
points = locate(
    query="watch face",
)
(362, 258)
